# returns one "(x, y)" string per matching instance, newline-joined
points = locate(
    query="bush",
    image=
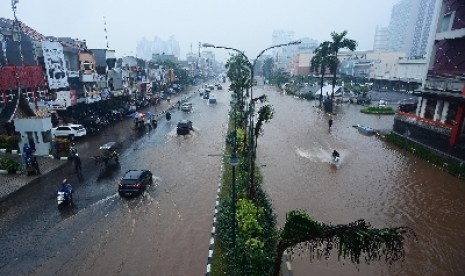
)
(378, 110)
(9, 142)
(9, 164)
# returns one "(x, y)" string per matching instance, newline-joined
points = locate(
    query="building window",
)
(450, 120)
(430, 108)
(36, 137)
(47, 136)
(445, 24)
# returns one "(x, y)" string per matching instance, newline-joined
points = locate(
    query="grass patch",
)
(378, 110)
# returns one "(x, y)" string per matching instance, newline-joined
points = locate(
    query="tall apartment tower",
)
(381, 39)
(402, 25)
(424, 32)
(411, 29)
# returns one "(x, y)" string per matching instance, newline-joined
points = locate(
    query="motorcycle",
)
(65, 196)
(335, 160)
(31, 166)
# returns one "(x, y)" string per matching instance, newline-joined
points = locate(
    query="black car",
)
(134, 182)
(184, 127)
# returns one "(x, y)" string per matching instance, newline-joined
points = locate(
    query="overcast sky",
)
(243, 24)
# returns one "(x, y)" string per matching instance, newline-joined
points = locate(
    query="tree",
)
(339, 42)
(239, 73)
(320, 61)
(279, 77)
(355, 240)
(268, 68)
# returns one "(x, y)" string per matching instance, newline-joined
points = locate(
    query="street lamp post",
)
(251, 113)
(252, 100)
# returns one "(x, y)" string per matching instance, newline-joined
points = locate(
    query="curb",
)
(212, 235)
(9, 151)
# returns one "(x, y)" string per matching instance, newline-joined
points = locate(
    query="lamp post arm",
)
(269, 48)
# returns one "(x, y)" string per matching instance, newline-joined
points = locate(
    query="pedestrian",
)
(73, 149)
(330, 122)
(77, 163)
(35, 164)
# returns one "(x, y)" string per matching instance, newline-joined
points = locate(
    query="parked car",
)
(187, 106)
(382, 103)
(134, 182)
(184, 127)
(71, 131)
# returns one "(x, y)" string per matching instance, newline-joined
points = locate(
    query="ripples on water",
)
(376, 181)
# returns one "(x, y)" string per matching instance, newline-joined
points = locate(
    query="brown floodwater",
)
(376, 181)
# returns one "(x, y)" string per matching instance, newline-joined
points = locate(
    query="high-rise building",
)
(282, 56)
(410, 29)
(402, 25)
(307, 45)
(381, 39)
(145, 48)
(424, 28)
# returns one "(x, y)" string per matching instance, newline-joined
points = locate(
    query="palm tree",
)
(320, 61)
(354, 241)
(339, 42)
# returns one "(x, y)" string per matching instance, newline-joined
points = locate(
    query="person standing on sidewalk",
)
(77, 163)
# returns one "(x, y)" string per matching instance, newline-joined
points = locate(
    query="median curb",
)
(212, 234)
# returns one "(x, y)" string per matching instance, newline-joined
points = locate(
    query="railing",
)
(413, 119)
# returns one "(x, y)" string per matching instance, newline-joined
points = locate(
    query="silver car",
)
(186, 106)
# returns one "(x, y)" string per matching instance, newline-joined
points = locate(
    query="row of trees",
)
(248, 241)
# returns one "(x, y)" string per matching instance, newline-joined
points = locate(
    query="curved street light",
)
(252, 100)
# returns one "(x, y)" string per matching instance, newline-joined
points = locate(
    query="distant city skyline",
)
(246, 25)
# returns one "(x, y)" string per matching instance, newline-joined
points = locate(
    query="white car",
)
(70, 130)
(186, 106)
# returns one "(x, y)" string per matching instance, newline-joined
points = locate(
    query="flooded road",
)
(166, 231)
(375, 181)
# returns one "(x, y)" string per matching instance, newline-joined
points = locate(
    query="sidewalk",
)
(11, 183)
